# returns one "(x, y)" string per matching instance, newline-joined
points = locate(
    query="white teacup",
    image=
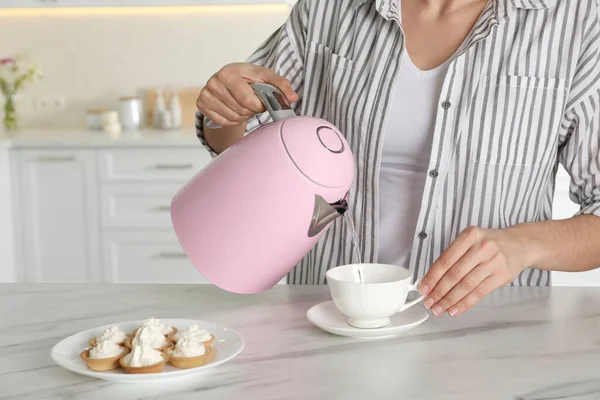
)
(371, 304)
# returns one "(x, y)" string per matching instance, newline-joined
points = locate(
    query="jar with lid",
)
(130, 113)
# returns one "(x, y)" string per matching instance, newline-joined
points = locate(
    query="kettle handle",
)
(273, 100)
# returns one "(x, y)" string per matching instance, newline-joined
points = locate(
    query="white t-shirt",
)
(406, 152)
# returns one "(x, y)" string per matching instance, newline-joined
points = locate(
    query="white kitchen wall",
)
(91, 58)
(7, 274)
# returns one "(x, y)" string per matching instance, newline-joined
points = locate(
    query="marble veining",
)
(520, 343)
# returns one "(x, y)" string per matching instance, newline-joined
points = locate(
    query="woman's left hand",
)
(475, 264)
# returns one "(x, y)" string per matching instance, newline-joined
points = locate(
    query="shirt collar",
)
(389, 8)
(532, 4)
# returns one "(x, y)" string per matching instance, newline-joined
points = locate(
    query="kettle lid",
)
(319, 151)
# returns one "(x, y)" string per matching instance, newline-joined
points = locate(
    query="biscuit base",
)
(189, 362)
(148, 369)
(102, 364)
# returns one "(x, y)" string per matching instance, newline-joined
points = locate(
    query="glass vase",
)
(10, 114)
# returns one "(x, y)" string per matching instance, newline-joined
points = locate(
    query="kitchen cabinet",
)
(58, 219)
(147, 257)
(168, 164)
(96, 213)
(136, 206)
(82, 207)
(8, 271)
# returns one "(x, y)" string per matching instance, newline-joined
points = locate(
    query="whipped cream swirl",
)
(151, 336)
(112, 334)
(106, 349)
(143, 355)
(189, 347)
(164, 329)
(194, 331)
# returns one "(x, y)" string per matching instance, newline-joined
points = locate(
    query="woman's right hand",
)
(229, 100)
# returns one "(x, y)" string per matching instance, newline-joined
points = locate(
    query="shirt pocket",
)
(328, 75)
(516, 120)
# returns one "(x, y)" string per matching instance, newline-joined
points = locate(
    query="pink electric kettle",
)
(248, 217)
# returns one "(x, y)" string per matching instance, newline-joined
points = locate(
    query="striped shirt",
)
(521, 95)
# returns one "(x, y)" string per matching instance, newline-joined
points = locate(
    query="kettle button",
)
(330, 139)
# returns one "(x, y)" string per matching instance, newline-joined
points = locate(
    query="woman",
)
(458, 112)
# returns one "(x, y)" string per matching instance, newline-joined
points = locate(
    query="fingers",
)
(211, 106)
(233, 90)
(215, 110)
(467, 284)
(456, 275)
(239, 107)
(457, 249)
(486, 287)
(218, 118)
(247, 99)
(229, 100)
(284, 85)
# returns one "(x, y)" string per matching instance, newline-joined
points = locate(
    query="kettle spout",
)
(324, 213)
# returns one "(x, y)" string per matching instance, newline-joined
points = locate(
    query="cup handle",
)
(413, 288)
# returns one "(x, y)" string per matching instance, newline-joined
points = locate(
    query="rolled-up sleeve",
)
(580, 128)
(283, 52)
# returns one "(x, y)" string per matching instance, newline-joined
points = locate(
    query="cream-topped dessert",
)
(104, 356)
(189, 347)
(143, 355)
(151, 336)
(164, 329)
(106, 349)
(149, 348)
(194, 331)
(112, 334)
(189, 352)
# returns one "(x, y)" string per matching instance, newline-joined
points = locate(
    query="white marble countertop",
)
(521, 343)
(73, 137)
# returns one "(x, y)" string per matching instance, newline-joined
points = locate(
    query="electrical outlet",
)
(50, 103)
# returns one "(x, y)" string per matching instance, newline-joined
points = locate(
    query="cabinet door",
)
(136, 205)
(8, 272)
(166, 165)
(59, 215)
(147, 257)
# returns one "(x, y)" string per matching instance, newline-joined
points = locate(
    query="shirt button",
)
(422, 235)
(446, 104)
(433, 173)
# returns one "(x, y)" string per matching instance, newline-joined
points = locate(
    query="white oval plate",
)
(327, 317)
(228, 344)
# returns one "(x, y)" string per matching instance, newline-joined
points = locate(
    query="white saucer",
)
(228, 344)
(327, 317)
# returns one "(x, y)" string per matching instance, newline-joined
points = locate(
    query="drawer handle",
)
(164, 208)
(172, 255)
(174, 166)
(56, 158)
